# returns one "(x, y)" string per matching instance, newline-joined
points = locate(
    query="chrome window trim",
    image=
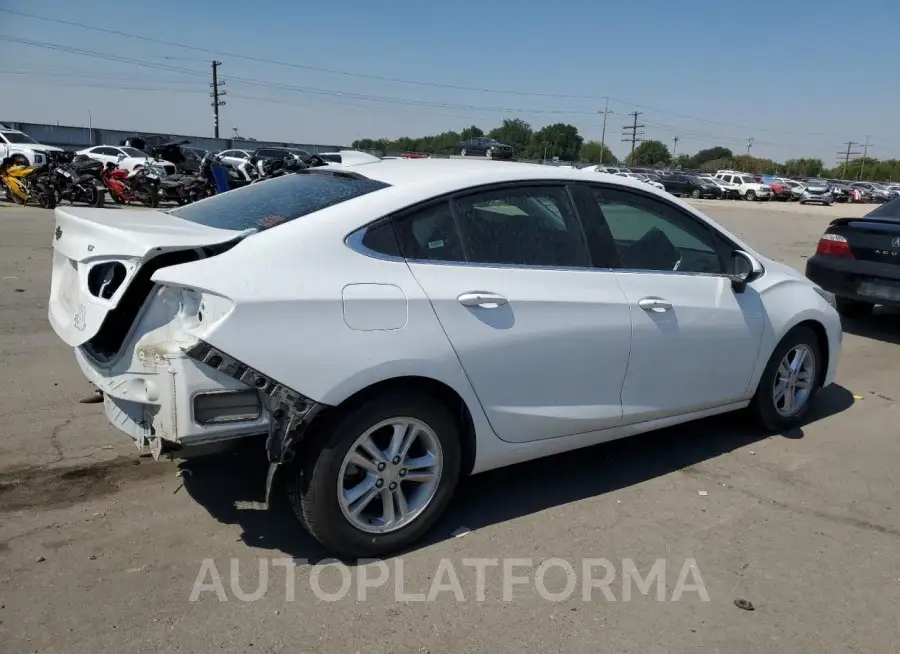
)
(354, 241)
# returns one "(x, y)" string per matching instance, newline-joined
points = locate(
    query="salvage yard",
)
(100, 548)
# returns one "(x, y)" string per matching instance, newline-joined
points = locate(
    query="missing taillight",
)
(834, 245)
(104, 279)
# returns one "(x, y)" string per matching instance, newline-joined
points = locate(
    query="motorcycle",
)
(141, 184)
(26, 183)
(77, 179)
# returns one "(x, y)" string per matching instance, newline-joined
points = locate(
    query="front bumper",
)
(853, 279)
(158, 401)
(821, 198)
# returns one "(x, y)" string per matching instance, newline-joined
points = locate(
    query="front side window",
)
(650, 234)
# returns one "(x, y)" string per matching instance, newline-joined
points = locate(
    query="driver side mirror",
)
(120, 158)
(744, 269)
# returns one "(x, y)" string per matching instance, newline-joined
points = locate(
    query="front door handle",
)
(482, 299)
(654, 304)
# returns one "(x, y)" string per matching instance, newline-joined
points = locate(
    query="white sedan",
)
(394, 325)
(127, 158)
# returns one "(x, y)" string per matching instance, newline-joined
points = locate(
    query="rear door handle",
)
(482, 299)
(654, 304)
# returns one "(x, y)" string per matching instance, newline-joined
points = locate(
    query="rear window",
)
(888, 210)
(266, 204)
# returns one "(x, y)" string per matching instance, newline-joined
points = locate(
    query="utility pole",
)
(846, 156)
(633, 128)
(862, 164)
(749, 145)
(216, 93)
(674, 146)
(603, 133)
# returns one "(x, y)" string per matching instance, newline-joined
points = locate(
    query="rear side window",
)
(525, 226)
(264, 205)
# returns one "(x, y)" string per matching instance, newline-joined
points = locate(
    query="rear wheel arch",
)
(413, 385)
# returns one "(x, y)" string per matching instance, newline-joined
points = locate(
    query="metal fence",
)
(75, 138)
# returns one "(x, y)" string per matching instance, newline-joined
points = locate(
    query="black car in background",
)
(695, 187)
(858, 259)
(490, 148)
(282, 153)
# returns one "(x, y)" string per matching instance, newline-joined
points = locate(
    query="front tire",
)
(462, 153)
(750, 196)
(853, 308)
(359, 493)
(695, 194)
(790, 381)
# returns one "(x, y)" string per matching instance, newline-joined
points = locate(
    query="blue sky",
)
(799, 76)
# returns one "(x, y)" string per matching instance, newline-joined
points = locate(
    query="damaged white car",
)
(394, 325)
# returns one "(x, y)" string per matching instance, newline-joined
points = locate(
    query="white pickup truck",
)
(23, 149)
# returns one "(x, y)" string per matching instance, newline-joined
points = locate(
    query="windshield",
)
(134, 152)
(18, 137)
(817, 182)
(279, 200)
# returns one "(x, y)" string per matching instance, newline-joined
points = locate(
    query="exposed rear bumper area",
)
(177, 400)
(851, 279)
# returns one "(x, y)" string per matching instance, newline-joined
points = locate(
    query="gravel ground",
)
(100, 548)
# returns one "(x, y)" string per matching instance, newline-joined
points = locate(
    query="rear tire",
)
(315, 481)
(853, 308)
(770, 410)
(462, 153)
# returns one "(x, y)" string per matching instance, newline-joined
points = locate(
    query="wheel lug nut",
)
(402, 472)
(393, 485)
(379, 483)
(381, 466)
(396, 460)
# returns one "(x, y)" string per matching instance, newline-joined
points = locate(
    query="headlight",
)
(826, 295)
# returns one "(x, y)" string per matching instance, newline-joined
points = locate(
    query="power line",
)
(633, 128)
(846, 156)
(389, 79)
(862, 164)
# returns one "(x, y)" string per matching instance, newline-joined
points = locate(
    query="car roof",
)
(451, 175)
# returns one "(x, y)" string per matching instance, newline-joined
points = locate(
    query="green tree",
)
(514, 132)
(558, 140)
(650, 153)
(472, 132)
(682, 161)
(709, 154)
(597, 153)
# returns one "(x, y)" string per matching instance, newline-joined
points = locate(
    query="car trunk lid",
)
(875, 240)
(100, 256)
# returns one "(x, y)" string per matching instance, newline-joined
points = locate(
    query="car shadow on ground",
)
(882, 325)
(221, 481)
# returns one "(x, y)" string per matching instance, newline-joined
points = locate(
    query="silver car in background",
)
(818, 191)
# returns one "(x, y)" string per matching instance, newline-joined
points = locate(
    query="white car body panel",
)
(567, 332)
(294, 302)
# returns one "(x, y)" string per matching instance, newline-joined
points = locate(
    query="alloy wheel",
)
(794, 379)
(390, 475)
